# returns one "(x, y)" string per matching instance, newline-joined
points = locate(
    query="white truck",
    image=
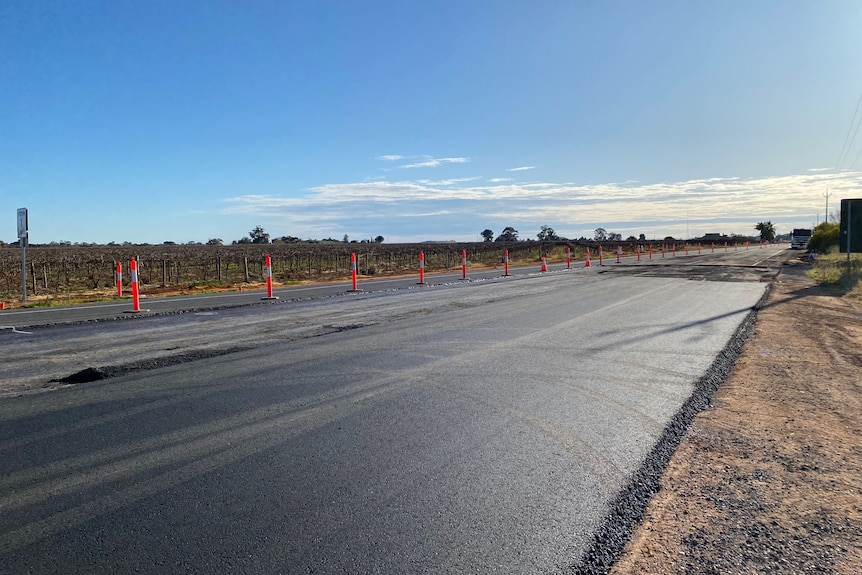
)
(799, 238)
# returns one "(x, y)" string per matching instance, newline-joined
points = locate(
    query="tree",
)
(378, 240)
(600, 235)
(346, 238)
(214, 242)
(488, 235)
(509, 234)
(767, 231)
(612, 237)
(547, 234)
(642, 237)
(258, 236)
(288, 240)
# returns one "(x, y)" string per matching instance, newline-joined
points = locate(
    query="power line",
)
(845, 149)
(859, 155)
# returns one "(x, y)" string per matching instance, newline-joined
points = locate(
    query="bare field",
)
(769, 479)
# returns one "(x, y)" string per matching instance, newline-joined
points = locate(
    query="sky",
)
(187, 121)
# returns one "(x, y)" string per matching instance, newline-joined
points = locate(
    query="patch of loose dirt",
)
(769, 478)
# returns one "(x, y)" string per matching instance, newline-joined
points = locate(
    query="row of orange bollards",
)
(136, 306)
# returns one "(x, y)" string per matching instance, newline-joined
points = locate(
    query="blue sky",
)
(185, 121)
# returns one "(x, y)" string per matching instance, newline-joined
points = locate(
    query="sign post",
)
(22, 239)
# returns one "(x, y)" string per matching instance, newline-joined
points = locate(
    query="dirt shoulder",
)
(769, 478)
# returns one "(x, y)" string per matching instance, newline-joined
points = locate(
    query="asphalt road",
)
(458, 428)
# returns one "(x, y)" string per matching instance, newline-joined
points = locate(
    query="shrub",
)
(825, 236)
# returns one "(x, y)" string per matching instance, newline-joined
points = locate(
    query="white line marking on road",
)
(15, 330)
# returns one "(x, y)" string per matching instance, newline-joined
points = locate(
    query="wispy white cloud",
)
(521, 169)
(429, 162)
(819, 169)
(390, 158)
(498, 180)
(456, 206)
(449, 182)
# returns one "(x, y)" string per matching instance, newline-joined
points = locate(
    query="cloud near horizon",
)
(453, 208)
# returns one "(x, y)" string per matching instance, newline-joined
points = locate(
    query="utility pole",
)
(826, 215)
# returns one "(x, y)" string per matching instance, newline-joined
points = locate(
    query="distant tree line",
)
(547, 234)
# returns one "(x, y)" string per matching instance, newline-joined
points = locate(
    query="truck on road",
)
(799, 238)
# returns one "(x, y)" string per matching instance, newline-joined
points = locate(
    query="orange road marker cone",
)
(269, 279)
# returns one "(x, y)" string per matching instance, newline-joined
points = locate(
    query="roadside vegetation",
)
(824, 238)
(835, 271)
(832, 268)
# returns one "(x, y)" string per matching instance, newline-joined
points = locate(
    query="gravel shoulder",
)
(769, 478)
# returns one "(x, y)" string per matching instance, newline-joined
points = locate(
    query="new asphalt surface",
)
(472, 428)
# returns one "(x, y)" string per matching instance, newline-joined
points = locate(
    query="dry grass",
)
(834, 270)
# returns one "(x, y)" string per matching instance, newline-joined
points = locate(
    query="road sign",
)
(22, 223)
(850, 238)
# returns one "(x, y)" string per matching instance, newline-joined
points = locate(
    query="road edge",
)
(628, 507)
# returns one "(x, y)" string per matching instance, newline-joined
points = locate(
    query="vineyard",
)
(66, 272)
(62, 273)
